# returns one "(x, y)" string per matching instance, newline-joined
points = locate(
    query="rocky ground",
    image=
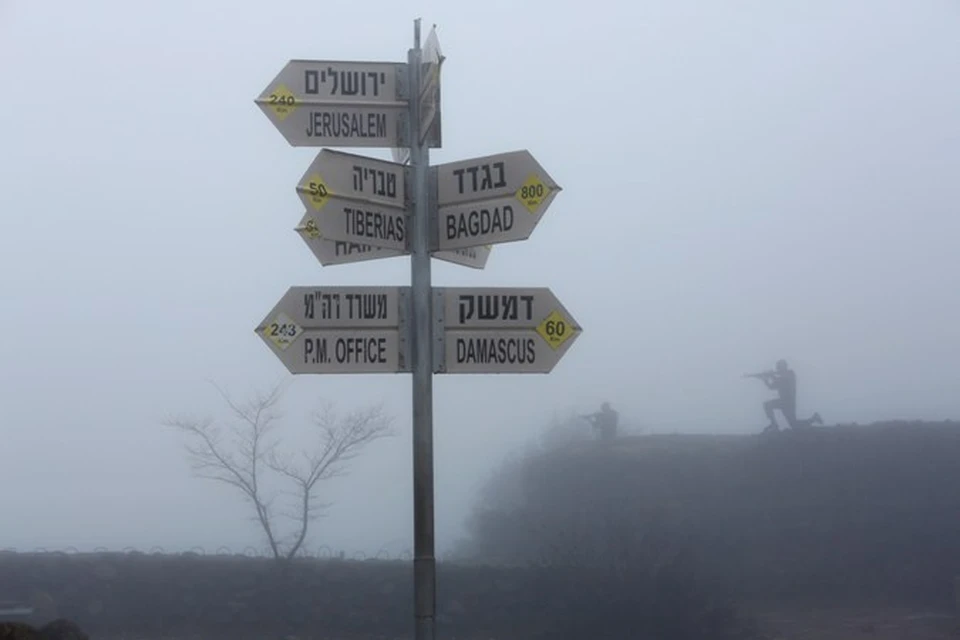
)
(857, 623)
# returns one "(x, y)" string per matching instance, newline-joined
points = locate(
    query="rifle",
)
(763, 375)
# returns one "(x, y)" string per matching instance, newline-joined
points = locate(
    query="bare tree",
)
(242, 454)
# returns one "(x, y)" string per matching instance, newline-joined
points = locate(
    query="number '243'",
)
(283, 330)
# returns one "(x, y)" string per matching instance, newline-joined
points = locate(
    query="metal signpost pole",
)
(359, 208)
(421, 318)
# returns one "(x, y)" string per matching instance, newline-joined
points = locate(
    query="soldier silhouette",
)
(783, 380)
(604, 421)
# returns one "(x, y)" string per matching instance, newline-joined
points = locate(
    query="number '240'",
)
(278, 99)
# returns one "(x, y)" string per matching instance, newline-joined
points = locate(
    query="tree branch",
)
(240, 463)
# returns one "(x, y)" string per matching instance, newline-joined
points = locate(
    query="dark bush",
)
(868, 512)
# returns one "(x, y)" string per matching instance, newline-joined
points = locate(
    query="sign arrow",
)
(491, 200)
(338, 330)
(355, 177)
(320, 103)
(473, 257)
(331, 252)
(502, 330)
(429, 96)
(356, 199)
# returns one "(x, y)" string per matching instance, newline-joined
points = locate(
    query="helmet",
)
(605, 406)
(781, 365)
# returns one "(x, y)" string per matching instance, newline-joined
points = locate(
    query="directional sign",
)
(331, 252)
(347, 175)
(351, 221)
(338, 329)
(502, 330)
(429, 90)
(429, 96)
(318, 103)
(473, 257)
(491, 200)
(356, 199)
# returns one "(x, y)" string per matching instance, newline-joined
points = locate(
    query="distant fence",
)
(323, 552)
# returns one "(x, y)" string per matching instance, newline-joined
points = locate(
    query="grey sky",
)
(743, 181)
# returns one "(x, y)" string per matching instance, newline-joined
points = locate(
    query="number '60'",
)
(555, 328)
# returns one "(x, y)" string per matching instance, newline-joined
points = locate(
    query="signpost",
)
(360, 208)
(317, 103)
(429, 89)
(429, 96)
(330, 252)
(338, 329)
(473, 257)
(502, 330)
(356, 199)
(421, 319)
(354, 177)
(491, 200)
(360, 222)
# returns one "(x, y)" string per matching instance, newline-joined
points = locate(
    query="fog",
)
(742, 182)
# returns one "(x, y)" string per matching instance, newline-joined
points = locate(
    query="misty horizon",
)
(739, 186)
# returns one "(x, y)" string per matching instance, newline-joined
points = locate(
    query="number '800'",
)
(531, 191)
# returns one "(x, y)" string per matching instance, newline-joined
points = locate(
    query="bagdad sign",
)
(331, 252)
(338, 330)
(502, 329)
(490, 200)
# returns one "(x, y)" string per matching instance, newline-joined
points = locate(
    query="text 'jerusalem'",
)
(347, 124)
